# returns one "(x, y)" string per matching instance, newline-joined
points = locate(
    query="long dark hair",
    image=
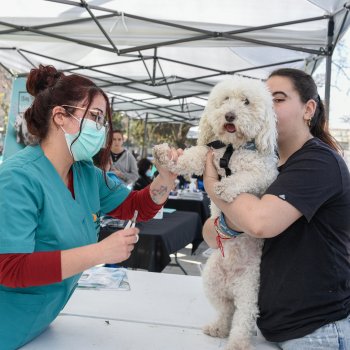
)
(143, 165)
(51, 88)
(307, 90)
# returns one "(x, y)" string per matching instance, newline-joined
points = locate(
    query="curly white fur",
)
(238, 111)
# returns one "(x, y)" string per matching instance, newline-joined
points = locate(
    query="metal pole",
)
(144, 147)
(327, 93)
(128, 131)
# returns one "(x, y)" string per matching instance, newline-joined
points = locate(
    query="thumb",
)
(210, 169)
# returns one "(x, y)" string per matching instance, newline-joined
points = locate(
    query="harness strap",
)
(216, 144)
(225, 160)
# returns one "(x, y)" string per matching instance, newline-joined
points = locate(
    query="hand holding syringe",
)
(118, 246)
(132, 223)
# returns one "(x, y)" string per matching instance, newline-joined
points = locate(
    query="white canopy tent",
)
(160, 58)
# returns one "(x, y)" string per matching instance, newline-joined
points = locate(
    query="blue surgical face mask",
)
(89, 141)
(149, 173)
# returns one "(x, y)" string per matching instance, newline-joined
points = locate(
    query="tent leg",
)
(128, 132)
(144, 147)
(328, 86)
(329, 67)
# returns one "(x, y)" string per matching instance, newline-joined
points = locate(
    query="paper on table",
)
(168, 210)
(105, 278)
(191, 195)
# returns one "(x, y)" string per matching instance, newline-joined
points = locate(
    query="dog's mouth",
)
(231, 128)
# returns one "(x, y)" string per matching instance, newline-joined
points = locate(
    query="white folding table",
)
(161, 311)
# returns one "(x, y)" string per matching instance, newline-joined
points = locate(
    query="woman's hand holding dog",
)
(210, 176)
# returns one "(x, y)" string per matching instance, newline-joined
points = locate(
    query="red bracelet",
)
(220, 236)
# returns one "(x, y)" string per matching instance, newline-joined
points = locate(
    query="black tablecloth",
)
(200, 207)
(191, 205)
(161, 237)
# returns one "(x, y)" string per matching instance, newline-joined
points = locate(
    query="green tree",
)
(5, 91)
(156, 133)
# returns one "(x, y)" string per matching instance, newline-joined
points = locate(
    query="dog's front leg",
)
(192, 161)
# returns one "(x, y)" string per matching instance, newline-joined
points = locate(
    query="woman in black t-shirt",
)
(304, 216)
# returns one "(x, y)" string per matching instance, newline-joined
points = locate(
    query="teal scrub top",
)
(114, 177)
(38, 213)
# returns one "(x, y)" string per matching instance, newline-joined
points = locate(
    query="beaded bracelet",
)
(218, 231)
(228, 232)
(223, 232)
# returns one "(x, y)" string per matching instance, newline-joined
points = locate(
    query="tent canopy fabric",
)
(162, 57)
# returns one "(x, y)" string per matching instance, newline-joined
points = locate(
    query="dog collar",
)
(219, 144)
(225, 159)
(216, 144)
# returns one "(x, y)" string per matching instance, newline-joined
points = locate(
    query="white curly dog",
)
(239, 124)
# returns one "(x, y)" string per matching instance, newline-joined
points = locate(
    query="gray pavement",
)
(193, 264)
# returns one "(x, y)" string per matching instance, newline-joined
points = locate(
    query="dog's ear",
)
(205, 131)
(266, 140)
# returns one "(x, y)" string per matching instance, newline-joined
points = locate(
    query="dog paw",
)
(238, 344)
(161, 157)
(216, 330)
(160, 153)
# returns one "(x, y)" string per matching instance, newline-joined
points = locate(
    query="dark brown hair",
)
(51, 88)
(307, 90)
(143, 165)
(97, 158)
(118, 131)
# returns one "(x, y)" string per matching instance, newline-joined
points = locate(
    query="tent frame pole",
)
(330, 48)
(144, 148)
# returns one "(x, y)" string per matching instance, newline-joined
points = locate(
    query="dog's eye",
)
(246, 101)
(226, 98)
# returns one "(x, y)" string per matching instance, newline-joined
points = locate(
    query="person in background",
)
(124, 163)
(182, 182)
(304, 296)
(200, 185)
(145, 172)
(51, 201)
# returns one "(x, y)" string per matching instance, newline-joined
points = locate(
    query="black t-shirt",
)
(305, 271)
(116, 156)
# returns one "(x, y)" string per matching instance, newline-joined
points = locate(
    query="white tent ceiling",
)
(161, 57)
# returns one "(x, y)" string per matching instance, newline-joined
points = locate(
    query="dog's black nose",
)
(230, 117)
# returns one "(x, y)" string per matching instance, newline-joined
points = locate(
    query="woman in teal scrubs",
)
(51, 199)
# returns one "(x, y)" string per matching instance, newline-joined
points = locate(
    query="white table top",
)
(161, 311)
(153, 298)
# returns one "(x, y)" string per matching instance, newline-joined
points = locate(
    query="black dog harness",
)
(225, 159)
